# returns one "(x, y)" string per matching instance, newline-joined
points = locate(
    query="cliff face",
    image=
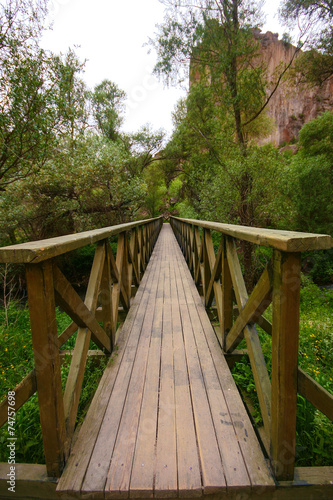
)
(293, 104)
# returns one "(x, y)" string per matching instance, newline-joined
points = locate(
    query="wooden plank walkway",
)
(167, 419)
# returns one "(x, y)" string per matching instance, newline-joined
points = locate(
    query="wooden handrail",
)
(37, 251)
(220, 276)
(287, 241)
(112, 281)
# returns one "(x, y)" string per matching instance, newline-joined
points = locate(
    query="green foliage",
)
(89, 188)
(310, 177)
(315, 64)
(155, 189)
(35, 91)
(16, 361)
(314, 443)
(144, 146)
(319, 266)
(108, 105)
(57, 176)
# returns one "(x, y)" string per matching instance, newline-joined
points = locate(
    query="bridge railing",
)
(221, 277)
(112, 281)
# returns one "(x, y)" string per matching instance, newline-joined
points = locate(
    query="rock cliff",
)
(294, 103)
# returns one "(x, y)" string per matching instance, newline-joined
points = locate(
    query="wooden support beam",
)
(105, 298)
(67, 333)
(72, 304)
(197, 254)
(117, 288)
(257, 303)
(227, 296)
(315, 393)
(47, 364)
(133, 253)
(116, 276)
(216, 270)
(199, 278)
(126, 270)
(306, 385)
(23, 391)
(208, 259)
(77, 367)
(286, 298)
(257, 360)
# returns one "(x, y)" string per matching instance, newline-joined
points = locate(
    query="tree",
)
(79, 188)
(156, 189)
(41, 99)
(41, 95)
(21, 25)
(310, 176)
(315, 18)
(145, 146)
(213, 41)
(108, 105)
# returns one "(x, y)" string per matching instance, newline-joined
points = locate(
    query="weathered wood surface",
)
(310, 483)
(37, 251)
(285, 335)
(167, 419)
(47, 364)
(23, 391)
(287, 241)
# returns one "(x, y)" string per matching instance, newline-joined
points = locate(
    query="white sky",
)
(110, 35)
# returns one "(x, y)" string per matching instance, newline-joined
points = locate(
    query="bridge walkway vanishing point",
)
(167, 419)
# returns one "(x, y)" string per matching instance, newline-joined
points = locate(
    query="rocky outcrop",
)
(294, 103)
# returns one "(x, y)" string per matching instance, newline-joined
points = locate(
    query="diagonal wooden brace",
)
(257, 303)
(72, 304)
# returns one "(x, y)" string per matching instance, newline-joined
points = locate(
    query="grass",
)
(16, 361)
(314, 442)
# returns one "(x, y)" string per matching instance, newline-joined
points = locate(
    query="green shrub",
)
(16, 361)
(314, 439)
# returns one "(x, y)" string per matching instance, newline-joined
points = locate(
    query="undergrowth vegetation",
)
(314, 441)
(16, 361)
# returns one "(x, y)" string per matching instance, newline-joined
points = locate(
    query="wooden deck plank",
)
(225, 426)
(258, 470)
(99, 464)
(74, 472)
(166, 456)
(211, 465)
(118, 479)
(189, 474)
(167, 420)
(143, 470)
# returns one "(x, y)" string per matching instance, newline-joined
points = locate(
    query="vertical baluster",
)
(227, 302)
(109, 325)
(285, 333)
(206, 257)
(47, 364)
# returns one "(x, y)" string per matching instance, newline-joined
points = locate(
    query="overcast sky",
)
(110, 35)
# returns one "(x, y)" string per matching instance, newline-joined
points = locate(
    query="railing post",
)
(47, 364)
(197, 250)
(286, 298)
(109, 325)
(208, 258)
(140, 252)
(227, 309)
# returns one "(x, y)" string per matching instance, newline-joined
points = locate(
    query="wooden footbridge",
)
(167, 420)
